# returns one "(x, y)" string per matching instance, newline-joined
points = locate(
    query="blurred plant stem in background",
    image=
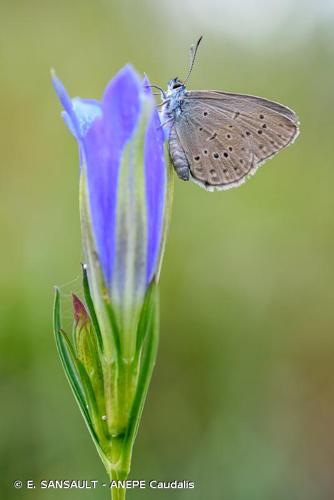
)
(125, 204)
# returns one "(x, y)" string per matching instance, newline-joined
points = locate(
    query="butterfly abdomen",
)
(178, 156)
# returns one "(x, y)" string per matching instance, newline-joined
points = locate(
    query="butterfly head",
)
(175, 83)
(175, 86)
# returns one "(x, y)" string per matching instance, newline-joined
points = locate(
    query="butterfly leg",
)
(162, 92)
(166, 122)
(163, 103)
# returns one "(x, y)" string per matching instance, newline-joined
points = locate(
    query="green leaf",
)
(67, 359)
(96, 416)
(74, 373)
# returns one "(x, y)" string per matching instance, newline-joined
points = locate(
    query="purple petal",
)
(103, 148)
(86, 111)
(78, 114)
(155, 177)
(64, 98)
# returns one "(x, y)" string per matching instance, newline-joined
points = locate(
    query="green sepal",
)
(90, 306)
(149, 331)
(145, 316)
(67, 359)
(76, 375)
(114, 325)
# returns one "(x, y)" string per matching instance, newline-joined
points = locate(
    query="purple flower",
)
(102, 130)
(123, 187)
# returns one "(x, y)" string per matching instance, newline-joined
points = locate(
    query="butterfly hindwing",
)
(217, 154)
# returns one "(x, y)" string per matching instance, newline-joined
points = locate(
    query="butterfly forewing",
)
(225, 137)
(268, 125)
(227, 98)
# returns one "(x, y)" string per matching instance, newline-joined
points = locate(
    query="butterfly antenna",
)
(193, 52)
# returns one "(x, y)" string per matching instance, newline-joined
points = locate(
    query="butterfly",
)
(218, 139)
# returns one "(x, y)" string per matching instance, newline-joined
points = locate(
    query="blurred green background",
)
(242, 399)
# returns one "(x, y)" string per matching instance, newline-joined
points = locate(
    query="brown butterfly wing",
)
(227, 97)
(225, 137)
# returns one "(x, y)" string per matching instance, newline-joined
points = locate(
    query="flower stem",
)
(117, 493)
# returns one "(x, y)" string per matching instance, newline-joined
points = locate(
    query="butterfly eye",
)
(177, 85)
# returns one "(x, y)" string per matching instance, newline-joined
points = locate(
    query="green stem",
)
(117, 493)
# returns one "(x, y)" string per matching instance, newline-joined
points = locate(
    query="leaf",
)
(73, 373)
(98, 424)
(67, 359)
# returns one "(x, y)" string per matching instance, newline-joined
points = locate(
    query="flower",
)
(124, 192)
(125, 199)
